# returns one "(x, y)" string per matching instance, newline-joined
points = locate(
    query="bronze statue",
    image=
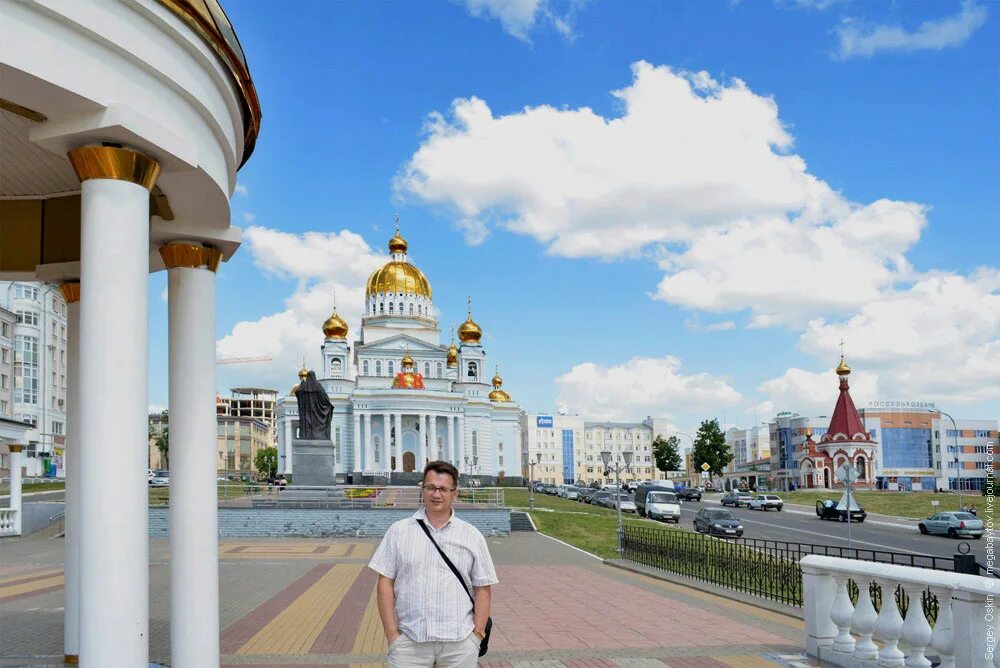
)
(315, 410)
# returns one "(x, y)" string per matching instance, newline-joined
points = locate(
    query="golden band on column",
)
(191, 256)
(70, 291)
(114, 162)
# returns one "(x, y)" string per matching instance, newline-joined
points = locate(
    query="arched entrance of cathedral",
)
(409, 462)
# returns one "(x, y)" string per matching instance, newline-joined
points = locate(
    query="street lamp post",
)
(958, 461)
(531, 481)
(617, 468)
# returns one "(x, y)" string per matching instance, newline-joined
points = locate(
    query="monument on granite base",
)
(313, 451)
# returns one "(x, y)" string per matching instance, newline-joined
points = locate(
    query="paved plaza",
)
(308, 602)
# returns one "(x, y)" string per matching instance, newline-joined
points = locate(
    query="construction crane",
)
(243, 360)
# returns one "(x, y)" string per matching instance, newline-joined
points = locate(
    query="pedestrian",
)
(429, 615)
(972, 509)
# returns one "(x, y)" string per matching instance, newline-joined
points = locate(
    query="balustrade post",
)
(819, 590)
(841, 613)
(864, 620)
(916, 630)
(943, 637)
(972, 646)
(889, 626)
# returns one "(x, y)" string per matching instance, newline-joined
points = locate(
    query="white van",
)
(663, 505)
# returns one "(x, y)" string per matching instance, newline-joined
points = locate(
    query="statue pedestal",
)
(312, 463)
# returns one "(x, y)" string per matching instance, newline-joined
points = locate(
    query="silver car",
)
(953, 525)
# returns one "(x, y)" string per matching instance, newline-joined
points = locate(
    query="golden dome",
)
(469, 331)
(842, 368)
(335, 327)
(452, 354)
(497, 394)
(303, 374)
(398, 276)
(407, 361)
(398, 244)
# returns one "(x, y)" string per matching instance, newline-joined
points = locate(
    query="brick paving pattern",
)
(301, 602)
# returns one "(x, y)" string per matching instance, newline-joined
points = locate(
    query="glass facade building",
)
(568, 463)
(907, 448)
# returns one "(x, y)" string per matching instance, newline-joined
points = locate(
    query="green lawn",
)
(36, 487)
(915, 505)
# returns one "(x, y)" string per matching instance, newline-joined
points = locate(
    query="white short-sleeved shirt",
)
(431, 604)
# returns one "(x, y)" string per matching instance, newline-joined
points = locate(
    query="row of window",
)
(976, 433)
(390, 308)
(472, 370)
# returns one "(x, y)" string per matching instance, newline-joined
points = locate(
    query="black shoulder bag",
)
(484, 645)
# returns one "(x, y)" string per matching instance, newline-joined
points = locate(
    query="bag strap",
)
(448, 561)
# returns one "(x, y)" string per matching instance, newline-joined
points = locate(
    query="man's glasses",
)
(430, 489)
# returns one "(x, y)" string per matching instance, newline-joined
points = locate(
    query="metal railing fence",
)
(262, 495)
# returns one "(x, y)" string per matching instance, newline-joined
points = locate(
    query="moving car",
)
(736, 499)
(717, 522)
(766, 502)
(663, 506)
(687, 493)
(160, 479)
(953, 525)
(830, 510)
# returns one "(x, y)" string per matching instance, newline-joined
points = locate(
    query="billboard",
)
(543, 421)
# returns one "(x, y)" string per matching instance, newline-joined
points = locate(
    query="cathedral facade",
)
(400, 397)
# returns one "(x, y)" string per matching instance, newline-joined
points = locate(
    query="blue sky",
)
(676, 208)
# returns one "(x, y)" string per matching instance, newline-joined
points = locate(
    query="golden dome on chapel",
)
(843, 369)
(335, 327)
(469, 331)
(398, 276)
(452, 354)
(497, 394)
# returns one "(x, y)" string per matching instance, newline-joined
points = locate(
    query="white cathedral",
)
(411, 399)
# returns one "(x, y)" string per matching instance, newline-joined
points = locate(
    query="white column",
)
(425, 434)
(452, 428)
(398, 448)
(356, 440)
(288, 444)
(194, 522)
(71, 577)
(386, 450)
(368, 441)
(113, 424)
(16, 462)
(461, 443)
(433, 436)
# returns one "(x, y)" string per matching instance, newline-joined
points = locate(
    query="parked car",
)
(718, 522)
(160, 479)
(828, 509)
(586, 495)
(572, 492)
(953, 525)
(687, 493)
(609, 487)
(626, 501)
(736, 499)
(662, 506)
(645, 488)
(766, 502)
(598, 498)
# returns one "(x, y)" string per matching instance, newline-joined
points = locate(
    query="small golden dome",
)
(497, 394)
(452, 354)
(497, 380)
(303, 372)
(397, 244)
(842, 368)
(469, 331)
(335, 327)
(407, 361)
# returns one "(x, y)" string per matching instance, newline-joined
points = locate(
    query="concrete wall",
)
(290, 522)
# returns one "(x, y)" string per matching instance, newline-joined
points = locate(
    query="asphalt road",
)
(808, 528)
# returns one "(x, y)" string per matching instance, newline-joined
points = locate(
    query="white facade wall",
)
(40, 321)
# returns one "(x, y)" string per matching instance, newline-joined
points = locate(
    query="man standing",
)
(426, 612)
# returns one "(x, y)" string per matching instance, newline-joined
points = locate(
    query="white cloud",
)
(939, 339)
(809, 393)
(858, 38)
(324, 264)
(241, 190)
(248, 217)
(692, 164)
(520, 17)
(640, 386)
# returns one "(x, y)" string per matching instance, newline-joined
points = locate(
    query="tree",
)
(666, 453)
(163, 445)
(266, 461)
(710, 448)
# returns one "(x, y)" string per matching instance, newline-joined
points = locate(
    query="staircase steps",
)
(519, 521)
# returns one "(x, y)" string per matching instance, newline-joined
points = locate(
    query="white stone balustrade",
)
(8, 522)
(840, 633)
